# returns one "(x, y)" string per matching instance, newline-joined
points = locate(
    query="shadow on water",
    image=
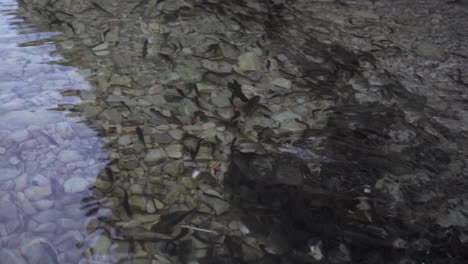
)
(234, 134)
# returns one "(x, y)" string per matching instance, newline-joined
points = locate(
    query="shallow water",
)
(233, 132)
(49, 156)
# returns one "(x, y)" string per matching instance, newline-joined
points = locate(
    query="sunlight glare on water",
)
(48, 157)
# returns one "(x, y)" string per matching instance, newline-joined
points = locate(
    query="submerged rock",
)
(8, 256)
(155, 155)
(75, 185)
(39, 251)
(249, 61)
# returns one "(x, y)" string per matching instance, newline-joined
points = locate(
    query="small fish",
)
(126, 204)
(110, 174)
(252, 105)
(168, 221)
(194, 152)
(145, 48)
(167, 59)
(236, 90)
(140, 135)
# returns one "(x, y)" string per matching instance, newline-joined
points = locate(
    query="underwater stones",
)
(221, 99)
(430, 50)
(75, 185)
(125, 140)
(44, 204)
(112, 115)
(188, 108)
(282, 82)
(249, 61)
(188, 183)
(67, 156)
(155, 155)
(91, 110)
(218, 205)
(175, 151)
(176, 134)
(138, 202)
(45, 228)
(161, 138)
(174, 168)
(39, 251)
(285, 115)
(217, 66)
(206, 87)
(204, 154)
(453, 218)
(100, 245)
(8, 211)
(8, 256)
(9, 173)
(65, 130)
(35, 193)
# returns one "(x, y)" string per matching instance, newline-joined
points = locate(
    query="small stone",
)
(64, 130)
(155, 155)
(2, 150)
(136, 189)
(220, 206)
(67, 156)
(125, 140)
(453, 218)
(162, 139)
(8, 211)
(249, 61)
(8, 173)
(215, 66)
(47, 216)
(21, 183)
(430, 50)
(188, 108)
(20, 136)
(282, 82)
(174, 168)
(150, 207)
(100, 245)
(8, 256)
(66, 224)
(14, 160)
(206, 88)
(112, 115)
(159, 204)
(75, 185)
(35, 193)
(188, 183)
(44, 204)
(176, 134)
(175, 151)
(46, 228)
(283, 116)
(39, 251)
(221, 99)
(138, 202)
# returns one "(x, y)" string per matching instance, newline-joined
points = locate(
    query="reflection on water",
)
(227, 132)
(48, 157)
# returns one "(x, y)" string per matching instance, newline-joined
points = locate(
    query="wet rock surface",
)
(234, 132)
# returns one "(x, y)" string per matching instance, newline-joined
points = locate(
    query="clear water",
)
(233, 132)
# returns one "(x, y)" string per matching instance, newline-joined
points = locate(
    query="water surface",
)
(234, 132)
